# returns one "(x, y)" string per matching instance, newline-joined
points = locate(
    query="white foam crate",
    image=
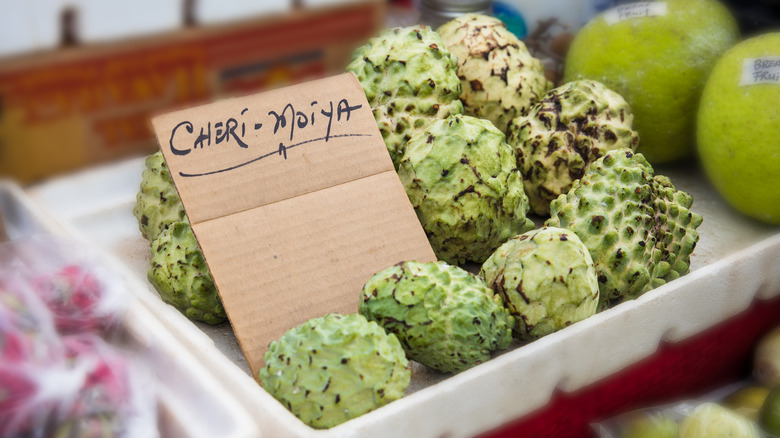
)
(191, 401)
(734, 263)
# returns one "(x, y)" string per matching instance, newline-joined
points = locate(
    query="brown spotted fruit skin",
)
(334, 368)
(569, 128)
(181, 276)
(445, 317)
(462, 180)
(546, 278)
(410, 79)
(500, 77)
(157, 203)
(638, 228)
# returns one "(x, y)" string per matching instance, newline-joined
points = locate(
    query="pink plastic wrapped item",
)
(80, 293)
(79, 301)
(110, 398)
(58, 376)
(88, 391)
(26, 323)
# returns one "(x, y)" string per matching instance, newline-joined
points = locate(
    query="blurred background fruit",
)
(658, 61)
(738, 132)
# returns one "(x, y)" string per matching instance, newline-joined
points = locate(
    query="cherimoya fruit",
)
(334, 368)
(445, 317)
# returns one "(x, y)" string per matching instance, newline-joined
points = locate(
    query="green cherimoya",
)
(462, 179)
(499, 76)
(410, 80)
(571, 127)
(546, 278)
(179, 273)
(157, 202)
(638, 228)
(445, 317)
(334, 368)
(675, 231)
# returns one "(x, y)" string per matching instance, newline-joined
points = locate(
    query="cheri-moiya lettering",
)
(184, 138)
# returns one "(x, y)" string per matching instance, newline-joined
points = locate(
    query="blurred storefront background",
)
(80, 79)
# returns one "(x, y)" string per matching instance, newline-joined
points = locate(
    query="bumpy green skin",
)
(500, 77)
(445, 317)
(638, 228)
(335, 368)
(710, 420)
(179, 273)
(462, 179)
(546, 278)
(675, 231)
(157, 202)
(410, 80)
(571, 127)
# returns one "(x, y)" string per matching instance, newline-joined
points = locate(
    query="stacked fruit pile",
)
(486, 148)
(178, 270)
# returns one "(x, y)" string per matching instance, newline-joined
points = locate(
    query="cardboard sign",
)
(294, 201)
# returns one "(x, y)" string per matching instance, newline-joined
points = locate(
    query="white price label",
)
(764, 70)
(635, 10)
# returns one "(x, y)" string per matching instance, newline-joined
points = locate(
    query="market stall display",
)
(669, 256)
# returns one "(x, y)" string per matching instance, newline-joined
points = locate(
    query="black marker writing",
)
(233, 129)
(223, 133)
(188, 126)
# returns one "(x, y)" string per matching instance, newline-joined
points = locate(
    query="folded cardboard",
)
(294, 201)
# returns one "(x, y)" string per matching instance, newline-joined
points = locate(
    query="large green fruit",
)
(546, 278)
(445, 317)
(638, 228)
(157, 203)
(500, 77)
(410, 80)
(179, 273)
(738, 132)
(462, 180)
(659, 64)
(334, 368)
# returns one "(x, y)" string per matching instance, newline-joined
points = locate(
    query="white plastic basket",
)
(734, 263)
